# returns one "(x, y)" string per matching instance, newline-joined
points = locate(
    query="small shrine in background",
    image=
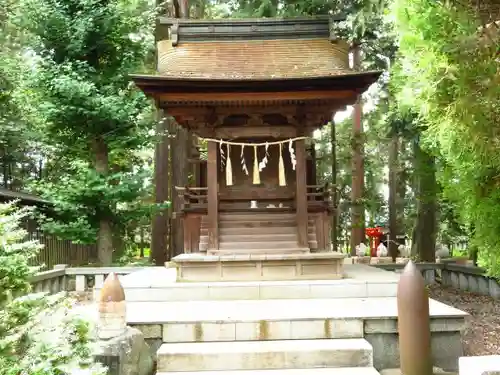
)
(374, 235)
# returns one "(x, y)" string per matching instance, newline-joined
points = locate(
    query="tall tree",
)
(358, 171)
(335, 197)
(393, 195)
(450, 77)
(84, 51)
(424, 234)
(162, 179)
(179, 154)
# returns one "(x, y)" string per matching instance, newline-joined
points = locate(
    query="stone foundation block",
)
(129, 353)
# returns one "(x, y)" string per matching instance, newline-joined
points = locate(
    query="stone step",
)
(247, 329)
(162, 288)
(308, 371)
(262, 355)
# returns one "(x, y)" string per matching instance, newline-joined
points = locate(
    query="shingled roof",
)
(253, 59)
(252, 49)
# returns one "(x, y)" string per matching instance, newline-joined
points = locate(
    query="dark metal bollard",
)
(414, 323)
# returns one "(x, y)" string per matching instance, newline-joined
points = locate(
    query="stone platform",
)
(166, 324)
(245, 267)
(160, 284)
(337, 327)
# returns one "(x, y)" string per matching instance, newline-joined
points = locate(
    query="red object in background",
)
(374, 235)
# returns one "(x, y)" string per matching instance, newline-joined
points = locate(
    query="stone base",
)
(255, 267)
(126, 354)
(373, 319)
(397, 371)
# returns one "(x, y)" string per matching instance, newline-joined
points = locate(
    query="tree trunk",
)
(158, 254)
(402, 180)
(141, 244)
(357, 206)
(105, 235)
(427, 188)
(333, 145)
(393, 196)
(180, 167)
(159, 232)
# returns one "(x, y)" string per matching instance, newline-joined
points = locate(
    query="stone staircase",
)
(310, 327)
(258, 233)
(287, 357)
(268, 334)
(285, 346)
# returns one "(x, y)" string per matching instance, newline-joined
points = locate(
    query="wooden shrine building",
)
(255, 90)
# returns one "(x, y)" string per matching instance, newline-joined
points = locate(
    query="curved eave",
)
(154, 85)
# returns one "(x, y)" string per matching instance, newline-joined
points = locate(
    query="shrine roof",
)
(253, 59)
(251, 49)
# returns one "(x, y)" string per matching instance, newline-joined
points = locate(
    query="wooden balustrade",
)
(319, 193)
(195, 199)
(192, 196)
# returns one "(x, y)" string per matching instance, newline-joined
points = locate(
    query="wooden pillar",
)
(314, 166)
(212, 197)
(301, 193)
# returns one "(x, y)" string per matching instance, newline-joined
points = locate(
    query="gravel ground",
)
(482, 332)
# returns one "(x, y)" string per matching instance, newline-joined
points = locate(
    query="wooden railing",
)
(319, 193)
(192, 196)
(197, 197)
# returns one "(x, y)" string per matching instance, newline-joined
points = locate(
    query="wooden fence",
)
(59, 251)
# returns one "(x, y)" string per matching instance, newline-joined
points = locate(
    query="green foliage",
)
(83, 196)
(450, 76)
(15, 252)
(41, 335)
(85, 50)
(79, 98)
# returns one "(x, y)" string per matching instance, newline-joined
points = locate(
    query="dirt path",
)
(482, 333)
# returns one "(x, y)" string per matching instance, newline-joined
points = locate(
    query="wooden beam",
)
(301, 193)
(255, 131)
(256, 96)
(191, 111)
(213, 197)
